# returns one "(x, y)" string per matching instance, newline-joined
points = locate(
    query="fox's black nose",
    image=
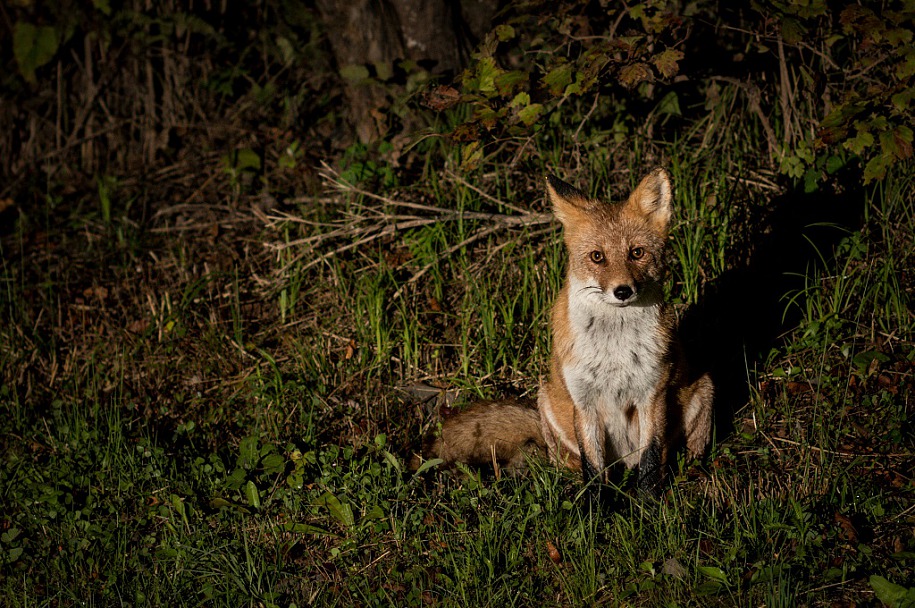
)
(623, 293)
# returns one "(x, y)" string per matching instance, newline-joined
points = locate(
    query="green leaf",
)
(834, 163)
(33, 47)
(487, 70)
(273, 464)
(246, 158)
(531, 114)
(876, 168)
(391, 459)
(716, 574)
(891, 594)
(102, 5)
(505, 33)
(508, 82)
(342, 512)
(902, 100)
(374, 512)
(432, 462)
(297, 528)
(792, 30)
(557, 79)
(669, 105)
(859, 142)
(235, 479)
(471, 156)
(865, 359)
(253, 496)
(247, 452)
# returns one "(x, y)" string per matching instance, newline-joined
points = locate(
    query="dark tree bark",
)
(434, 33)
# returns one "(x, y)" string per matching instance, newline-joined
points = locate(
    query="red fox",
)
(619, 388)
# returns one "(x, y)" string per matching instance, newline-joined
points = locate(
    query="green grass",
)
(223, 425)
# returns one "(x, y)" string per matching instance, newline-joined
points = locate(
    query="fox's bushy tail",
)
(497, 432)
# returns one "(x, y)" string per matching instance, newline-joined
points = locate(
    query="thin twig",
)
(485, 195)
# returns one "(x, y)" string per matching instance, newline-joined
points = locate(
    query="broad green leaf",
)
(273, 464)
(508, 82)
(374, 512)
(432, 462)
(792, 30)
(33, 47)
(865, 359)
(253, 496)
(558, 79)
(876, 168)
(342, 512)
(521, 100)
(505, 33)
(531, 114)
(247, 452)
(235, 480)
(716, 574)
(487, 70)
(246, 158)
(669, 105)
(859, 142)
(891, 594)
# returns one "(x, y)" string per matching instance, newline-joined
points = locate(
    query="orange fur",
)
(619, 389)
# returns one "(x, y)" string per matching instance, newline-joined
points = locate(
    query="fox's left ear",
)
(652, 199)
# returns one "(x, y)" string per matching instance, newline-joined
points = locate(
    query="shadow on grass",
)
(746, 311)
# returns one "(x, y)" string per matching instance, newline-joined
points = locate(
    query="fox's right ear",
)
(569, 203)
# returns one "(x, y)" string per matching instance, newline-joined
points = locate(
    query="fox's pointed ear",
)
(568, 201)
(652, 199)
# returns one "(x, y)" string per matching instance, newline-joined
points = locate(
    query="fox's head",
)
(616, 250)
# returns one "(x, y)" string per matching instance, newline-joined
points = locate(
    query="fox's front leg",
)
(651, 441)
(589, 431)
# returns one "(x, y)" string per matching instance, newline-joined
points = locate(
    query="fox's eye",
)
(636, 253)
(597, 257)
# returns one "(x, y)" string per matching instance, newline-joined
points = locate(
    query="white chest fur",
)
(615, 361)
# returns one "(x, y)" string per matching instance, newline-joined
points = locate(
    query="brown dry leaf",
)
(5, 203)
(96, 292)
(666, 62)
(139, 326)
(634, 74)
(553, 552)
(434, 305)
(350, 350)
(398, 256)
(848, 532)
(796, 388)
(441, 98)
(898, 545)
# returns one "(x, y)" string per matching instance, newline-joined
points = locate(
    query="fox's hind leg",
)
(697, 416)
